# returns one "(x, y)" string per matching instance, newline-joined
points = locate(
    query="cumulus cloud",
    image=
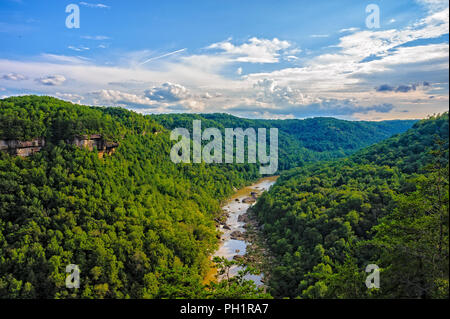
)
(176, 97)
(363, 72)
(168, 92)
(120, 98)
(14, 77)
(74, 98)
(254, 51)
(268, 91)
(52, 80)
(364, 58)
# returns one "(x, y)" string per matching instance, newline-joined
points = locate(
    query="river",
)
(235, 207)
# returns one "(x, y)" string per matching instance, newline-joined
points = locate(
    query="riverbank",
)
(239, 235)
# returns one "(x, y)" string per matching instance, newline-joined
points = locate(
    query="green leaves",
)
(136, 224)
(387, 204)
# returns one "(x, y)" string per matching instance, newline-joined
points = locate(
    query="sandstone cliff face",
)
(22, 148)
(95, 140)
(27, 148)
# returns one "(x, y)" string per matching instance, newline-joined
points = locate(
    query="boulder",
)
(243, 218)
(249, 200)
(237, 235)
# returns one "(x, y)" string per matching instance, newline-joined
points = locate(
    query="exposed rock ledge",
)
(22, 148)
(27, 148)
(95, 140)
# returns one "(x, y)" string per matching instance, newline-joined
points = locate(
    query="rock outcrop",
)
(22, 148)
(95, 141)
(237, 235)
(249, 200)
(27, 148)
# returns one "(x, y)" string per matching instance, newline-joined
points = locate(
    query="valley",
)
(233, 243)
(140, 226)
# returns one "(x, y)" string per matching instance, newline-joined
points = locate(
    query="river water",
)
(235, 207)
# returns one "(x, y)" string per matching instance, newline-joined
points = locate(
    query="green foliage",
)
(413, 241)
(326, 222)
(137, 225)
(234, 287)
(300, 141)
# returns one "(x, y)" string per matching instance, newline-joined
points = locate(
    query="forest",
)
(140, 226)
(300, 141)
(386, 205)
(137, 225)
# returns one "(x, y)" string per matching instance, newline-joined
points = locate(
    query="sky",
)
(255, 59)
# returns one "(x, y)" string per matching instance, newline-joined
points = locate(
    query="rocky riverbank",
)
(240, 237)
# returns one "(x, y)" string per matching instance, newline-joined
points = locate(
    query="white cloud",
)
(74, 98)
(95, 37)
(342, 80)
(79, 48)
(168, 92)
(434, 5)
(119, 98)
(352, 29)
(366, 43)
(268, 91)
(65, 59)
(95, 5)
(14, 77)
(52, 80)
(254, 51)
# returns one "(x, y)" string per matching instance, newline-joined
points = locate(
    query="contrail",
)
(164, 55)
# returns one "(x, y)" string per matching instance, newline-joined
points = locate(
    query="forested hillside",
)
(386, 205)
(140, 226)
(301, 141)
(136, 224)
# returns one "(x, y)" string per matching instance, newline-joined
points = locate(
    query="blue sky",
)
(259, 59)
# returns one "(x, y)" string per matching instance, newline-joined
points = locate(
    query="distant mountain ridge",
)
(301, 141)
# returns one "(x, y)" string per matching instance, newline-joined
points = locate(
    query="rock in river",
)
(243, 218)
(237, 235)
(249, 200)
